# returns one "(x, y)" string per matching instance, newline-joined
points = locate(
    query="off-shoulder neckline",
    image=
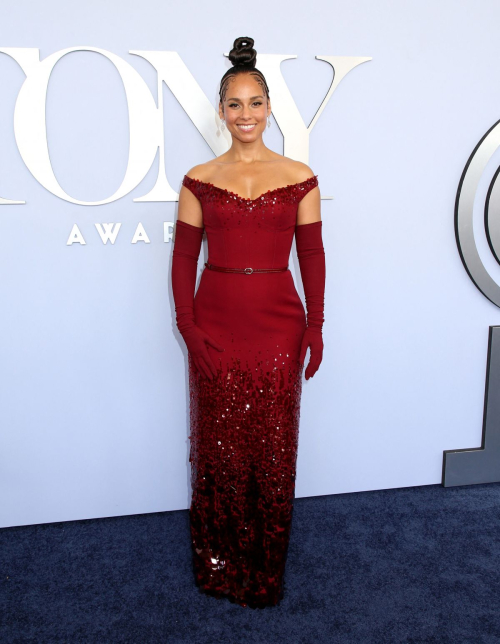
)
(264, 194)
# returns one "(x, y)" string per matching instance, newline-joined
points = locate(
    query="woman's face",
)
(245, 103)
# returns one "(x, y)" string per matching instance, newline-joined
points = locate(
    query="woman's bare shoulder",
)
(297, 170)
(202, 172)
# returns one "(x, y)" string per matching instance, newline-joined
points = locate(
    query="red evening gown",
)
(244, 424)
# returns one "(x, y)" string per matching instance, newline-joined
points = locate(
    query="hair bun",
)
(243, 53)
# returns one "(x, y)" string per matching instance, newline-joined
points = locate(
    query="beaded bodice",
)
(245, 232)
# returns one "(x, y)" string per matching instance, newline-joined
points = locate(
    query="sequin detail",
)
(243, 450)
(244, 423)
(274, 210)
(292, 193)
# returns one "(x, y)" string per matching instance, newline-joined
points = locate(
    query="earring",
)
(222, 127)
(268, 121)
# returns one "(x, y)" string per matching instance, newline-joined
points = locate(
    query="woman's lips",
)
(247, 129)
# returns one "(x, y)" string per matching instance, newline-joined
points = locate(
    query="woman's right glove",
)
(185, 255)
(311, 256)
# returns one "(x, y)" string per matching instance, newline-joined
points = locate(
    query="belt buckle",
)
(248, 271)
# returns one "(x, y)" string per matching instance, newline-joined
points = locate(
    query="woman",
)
(247, 335)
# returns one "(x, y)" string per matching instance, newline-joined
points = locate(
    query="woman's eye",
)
(236, 104)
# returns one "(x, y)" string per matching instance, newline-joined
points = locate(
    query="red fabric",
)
(311, 256)
(185, 255)
(244, 422)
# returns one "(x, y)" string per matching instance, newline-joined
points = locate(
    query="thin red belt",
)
(248, 271)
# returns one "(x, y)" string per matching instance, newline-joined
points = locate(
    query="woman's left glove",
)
(311, 256)
(313, 340)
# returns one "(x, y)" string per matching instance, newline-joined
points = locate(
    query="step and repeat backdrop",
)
(106, 106)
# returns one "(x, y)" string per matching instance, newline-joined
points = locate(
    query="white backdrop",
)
(93, 382)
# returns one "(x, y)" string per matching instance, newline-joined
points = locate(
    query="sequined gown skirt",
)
(244, 432)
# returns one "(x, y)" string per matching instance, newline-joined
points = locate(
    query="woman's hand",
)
(311, 256)
(186, 251)
(196, 342)
(312, 338)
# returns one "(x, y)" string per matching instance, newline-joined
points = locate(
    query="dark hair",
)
(243, 57)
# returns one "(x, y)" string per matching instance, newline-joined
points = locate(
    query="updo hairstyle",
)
(243, 56)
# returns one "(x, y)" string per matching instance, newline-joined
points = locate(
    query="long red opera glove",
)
(311, 256)
(185, 255)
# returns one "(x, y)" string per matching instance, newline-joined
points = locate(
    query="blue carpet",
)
(408, 565)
